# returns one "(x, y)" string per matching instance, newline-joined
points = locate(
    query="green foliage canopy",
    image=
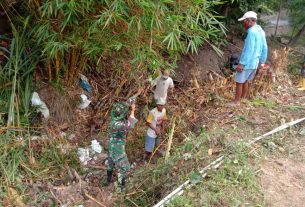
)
(140, 31)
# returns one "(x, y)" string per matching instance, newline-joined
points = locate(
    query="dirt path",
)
(283, 182)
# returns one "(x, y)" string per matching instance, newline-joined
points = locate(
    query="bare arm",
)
(152, 127)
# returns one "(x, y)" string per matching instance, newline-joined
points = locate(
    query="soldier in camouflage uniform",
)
(120, 125)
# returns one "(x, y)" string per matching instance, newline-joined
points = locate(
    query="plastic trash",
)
(42, 107)
(96, 147)
(84, 83)
(85, 102)
(84, 155)
(234, 60)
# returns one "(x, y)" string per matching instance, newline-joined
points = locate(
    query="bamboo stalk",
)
(57, 66)
(50, 71)
(170, 139)
(17, 110)
(280, 128)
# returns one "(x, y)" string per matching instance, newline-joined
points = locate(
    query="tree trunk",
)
(278, 18)
(297, 36)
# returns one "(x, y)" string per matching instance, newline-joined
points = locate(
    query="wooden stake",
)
(170, 138)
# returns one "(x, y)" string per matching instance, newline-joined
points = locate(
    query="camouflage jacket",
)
(119, 124)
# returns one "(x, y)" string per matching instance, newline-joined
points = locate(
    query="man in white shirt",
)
(156, 122)
(162, 84)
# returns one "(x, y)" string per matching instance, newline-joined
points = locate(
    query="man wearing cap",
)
(162, 84)
(120, 125)
(254, 53)
(156, 122)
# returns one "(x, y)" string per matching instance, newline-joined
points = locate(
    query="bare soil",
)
(283, 182)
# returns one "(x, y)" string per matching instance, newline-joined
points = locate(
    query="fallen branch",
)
(280, 128)
(59, 201)
(93, 199)
(216, 74)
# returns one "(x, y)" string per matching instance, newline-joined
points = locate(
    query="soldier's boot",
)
(302, 88)
(109, 176)
(122, 185)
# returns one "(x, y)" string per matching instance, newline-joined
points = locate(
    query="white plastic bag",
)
(85, 102)
(96, 147)
(42, 107)
(84, 155)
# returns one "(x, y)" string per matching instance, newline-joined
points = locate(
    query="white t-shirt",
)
(162, 87)
(155, 118)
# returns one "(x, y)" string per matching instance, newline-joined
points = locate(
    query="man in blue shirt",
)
(254, 53)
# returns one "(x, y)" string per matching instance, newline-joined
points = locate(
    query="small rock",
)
(281, 149)
(187, 156)
(302, 132)
(271, 146)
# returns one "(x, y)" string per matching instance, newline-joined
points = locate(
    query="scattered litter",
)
(85, 102)
(134, 165)
(210, 151)
(187, 156)
(84, 83)
(19, 138)
(39, 137)
(36, 101)
(94, 154)
(95, 146)
(84, 155)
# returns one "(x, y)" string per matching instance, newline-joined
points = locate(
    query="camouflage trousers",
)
(117, 158)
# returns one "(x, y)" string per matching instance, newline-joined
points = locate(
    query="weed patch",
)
(24, 162)
(233, 184)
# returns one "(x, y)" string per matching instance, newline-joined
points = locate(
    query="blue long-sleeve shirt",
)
(255, 48)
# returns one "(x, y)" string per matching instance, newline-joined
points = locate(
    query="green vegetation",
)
(297, 18)
(16, 77)
(74, 35)
(234, 183)
(127, 39)
(25, 161)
